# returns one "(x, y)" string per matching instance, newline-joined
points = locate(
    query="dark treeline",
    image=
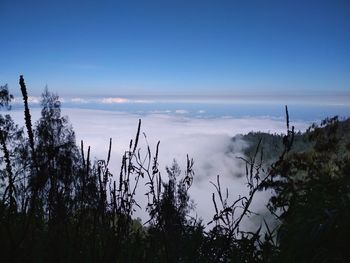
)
(57, 204)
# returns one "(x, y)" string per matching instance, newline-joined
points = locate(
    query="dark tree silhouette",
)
(57, 204)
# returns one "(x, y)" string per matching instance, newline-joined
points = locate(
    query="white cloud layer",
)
(114, 100)
(181, 111)
(78, 100)
(31, 99)
(208, 141)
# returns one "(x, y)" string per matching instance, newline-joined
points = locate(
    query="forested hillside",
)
(272, 144)
(59, 205)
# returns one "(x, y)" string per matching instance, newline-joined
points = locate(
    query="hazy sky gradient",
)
(226, 48)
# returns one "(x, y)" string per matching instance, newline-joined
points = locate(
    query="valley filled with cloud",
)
(207, 140)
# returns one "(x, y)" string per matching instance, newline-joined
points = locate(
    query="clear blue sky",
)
(276, 48)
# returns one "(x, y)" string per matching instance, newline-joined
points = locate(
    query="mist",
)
(207, 140)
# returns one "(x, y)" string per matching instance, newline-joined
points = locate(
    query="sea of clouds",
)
(207, 140)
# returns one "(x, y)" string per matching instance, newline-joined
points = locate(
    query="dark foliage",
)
(312, 197)
(59, 205)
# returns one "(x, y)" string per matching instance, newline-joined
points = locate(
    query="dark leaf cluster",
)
(58, 204)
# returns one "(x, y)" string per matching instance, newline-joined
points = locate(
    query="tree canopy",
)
(59, 205)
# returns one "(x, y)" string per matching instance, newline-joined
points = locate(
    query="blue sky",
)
(278, 49)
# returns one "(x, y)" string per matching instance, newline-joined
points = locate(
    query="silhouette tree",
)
(57, 205)
(58, 162)
(312, 197)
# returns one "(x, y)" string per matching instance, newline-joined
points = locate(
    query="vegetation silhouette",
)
(59, 205)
